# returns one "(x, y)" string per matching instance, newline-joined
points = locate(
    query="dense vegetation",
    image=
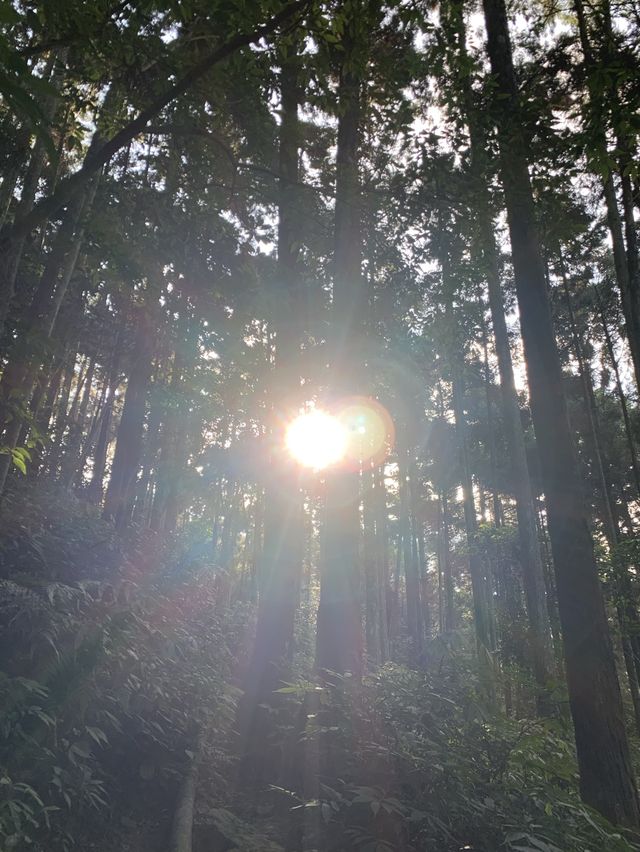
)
(319, 478)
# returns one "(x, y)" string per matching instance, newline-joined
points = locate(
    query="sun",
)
(316, 439)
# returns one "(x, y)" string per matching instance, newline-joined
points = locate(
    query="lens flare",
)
(316, 439)
(357, 430)
(369, 428)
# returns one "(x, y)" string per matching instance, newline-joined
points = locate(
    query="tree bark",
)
(339, 642)
(281, 558)
(529, 551)
(626, 611)
(606, 776)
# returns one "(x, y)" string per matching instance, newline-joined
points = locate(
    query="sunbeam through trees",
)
(319, 426)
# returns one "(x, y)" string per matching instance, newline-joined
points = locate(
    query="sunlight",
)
(316, 439)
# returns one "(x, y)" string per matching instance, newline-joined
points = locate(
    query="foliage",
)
(105, 682)
(429, 766)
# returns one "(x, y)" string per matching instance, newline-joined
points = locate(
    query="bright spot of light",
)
(317, 439)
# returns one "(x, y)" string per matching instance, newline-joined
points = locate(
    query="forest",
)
(319, 425)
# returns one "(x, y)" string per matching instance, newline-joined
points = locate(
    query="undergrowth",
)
(117, 655)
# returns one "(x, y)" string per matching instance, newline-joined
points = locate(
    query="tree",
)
(339, 640)
(606, 777)
(280, 564)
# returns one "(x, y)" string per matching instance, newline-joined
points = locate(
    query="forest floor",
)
(121, 663)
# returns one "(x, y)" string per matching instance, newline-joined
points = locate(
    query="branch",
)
(93, 162)
(236, 164)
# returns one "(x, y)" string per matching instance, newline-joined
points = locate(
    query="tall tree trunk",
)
(417, 531)
(281, 559)
(145, 492)
(339, 642)
(13, 171)
(49, 380)
(20, 373)
(45, 408)
(606, 776)
(626, 610)
(529, 551)
(482, 611)
(168, 461)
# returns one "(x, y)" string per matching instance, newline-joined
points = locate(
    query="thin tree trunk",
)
(382, 554)
(45, 410)
(485, 630)
(61, 412)
(409, 555)
(371, 571)
(448, 620)
(94, 491)
(21, 372)
(166, 434)
(418, 536)
(69, 464)
(11, 177)
(488, 384)
(633, 455)
(90, 437)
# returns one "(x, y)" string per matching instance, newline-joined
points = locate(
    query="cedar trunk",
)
(280, 562)
(606, 775)
(339, 642)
